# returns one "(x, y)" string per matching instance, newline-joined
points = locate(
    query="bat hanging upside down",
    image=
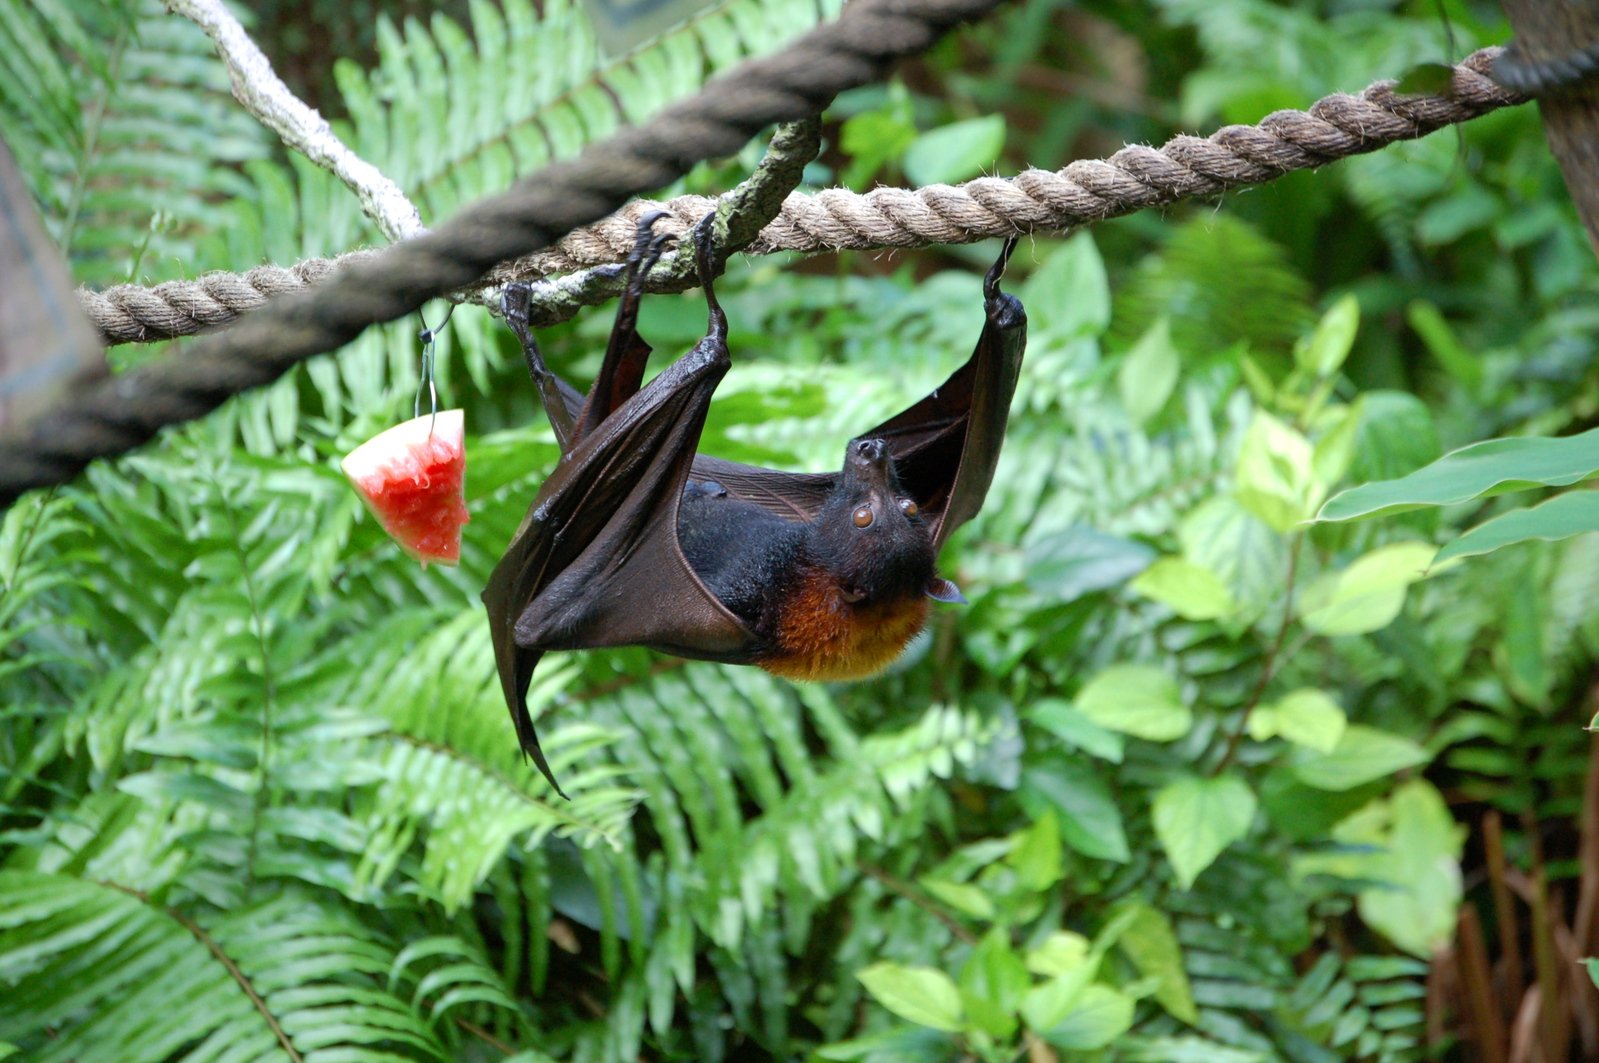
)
(637, 540)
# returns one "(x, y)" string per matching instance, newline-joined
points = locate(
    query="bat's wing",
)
(596, 562)
(795, 495)
(945, 447)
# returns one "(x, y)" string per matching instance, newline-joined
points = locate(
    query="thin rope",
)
(117, 415)
(1084, 192)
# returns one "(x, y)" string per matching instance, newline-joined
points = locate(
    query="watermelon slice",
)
(414, 482)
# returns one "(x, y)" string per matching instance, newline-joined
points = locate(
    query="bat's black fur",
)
(752, 560)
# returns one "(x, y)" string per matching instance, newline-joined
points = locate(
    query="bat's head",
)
(870, 533)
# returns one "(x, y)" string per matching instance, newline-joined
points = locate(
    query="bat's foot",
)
(515, 300)
(704, 236)
(648, 246)
(516, 303)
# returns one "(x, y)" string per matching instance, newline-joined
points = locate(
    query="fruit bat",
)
(635, 539)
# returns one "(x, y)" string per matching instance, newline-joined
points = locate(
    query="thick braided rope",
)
(1083, 192)
(125, 411)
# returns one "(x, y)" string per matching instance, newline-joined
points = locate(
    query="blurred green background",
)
(1188, 780)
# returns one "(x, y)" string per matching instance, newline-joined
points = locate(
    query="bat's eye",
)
(909, 508)
(863, 516)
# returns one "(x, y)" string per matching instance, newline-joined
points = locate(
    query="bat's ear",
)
(942, 590)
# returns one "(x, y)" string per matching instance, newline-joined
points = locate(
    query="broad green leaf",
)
(1476, 471)
(1049, 1003)
(897, 1044)
(1397, 436)
(1072, 282)
(1098, 1016)
(1060, 719)
(873, 137)
(1311, 718)
(1136, 699)
(1448, 219)
(1068, 564)
(1221, 535)
(1368, 594)
(1089, 820)
(993, 982)
(1405, 850)
(1335, 450)
(1263, 723)
(1592, 965)
(1192, 591)
(1149, 372)
(1276, 476)
(1522, 653)
(920, 994)
(1362, 754)
(1151, 943)
(1329, 345)
(961, 896)
(1195, 819)
(1561, 517)
(956, 151)
(1060, 953)
(1036, 856)
(1422, 869)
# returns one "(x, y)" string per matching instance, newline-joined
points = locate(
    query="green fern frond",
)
(93, 970)
(122, 119)
(1221, 283)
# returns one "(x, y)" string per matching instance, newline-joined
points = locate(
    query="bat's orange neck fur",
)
(823, 637)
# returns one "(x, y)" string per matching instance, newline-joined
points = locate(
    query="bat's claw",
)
(653, 255)
(647, 248)
(1004, 310)
(997, 270)
(644, 235)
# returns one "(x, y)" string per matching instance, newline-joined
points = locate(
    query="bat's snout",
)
(869, 469)
(868, 452)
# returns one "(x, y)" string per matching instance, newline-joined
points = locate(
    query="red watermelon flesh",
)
(413, 479)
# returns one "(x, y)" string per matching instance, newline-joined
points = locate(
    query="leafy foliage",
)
(1170, 788)
(103, 105)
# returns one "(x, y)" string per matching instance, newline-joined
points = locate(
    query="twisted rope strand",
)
(115, 416)
(1083, 192)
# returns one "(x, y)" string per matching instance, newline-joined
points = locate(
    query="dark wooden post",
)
(46, 344)
(1555, 57)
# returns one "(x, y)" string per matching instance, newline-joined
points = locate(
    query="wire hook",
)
(427, 336)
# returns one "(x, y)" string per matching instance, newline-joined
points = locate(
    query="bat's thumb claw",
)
(997, 270)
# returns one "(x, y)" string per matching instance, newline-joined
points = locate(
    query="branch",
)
(745, 212)
(264, 95)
